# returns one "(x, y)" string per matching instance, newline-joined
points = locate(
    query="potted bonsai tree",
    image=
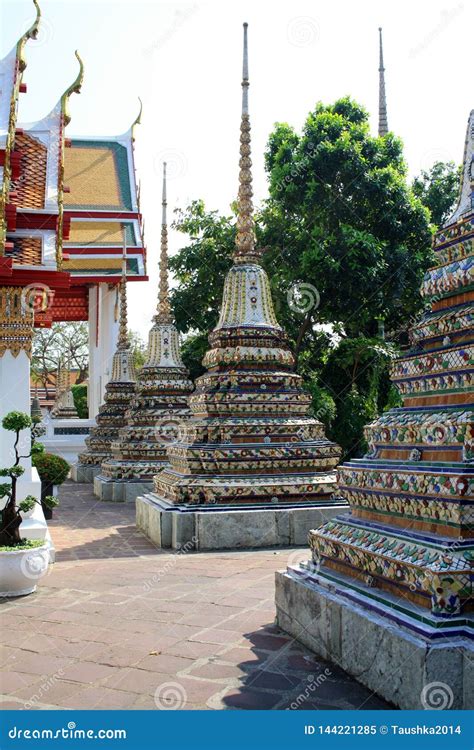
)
(22, 561)
(53, 471)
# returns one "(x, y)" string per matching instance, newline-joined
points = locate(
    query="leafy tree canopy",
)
(347, 242)
(437, 188)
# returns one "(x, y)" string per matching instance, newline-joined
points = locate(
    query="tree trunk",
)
(11, 521)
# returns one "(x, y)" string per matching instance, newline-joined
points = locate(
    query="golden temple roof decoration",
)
(74, 88)
(137, 120)
(31, 33)
(16, 321)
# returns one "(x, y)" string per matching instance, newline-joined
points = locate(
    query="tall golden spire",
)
(123, 328)
(245, 250)
(164, 310)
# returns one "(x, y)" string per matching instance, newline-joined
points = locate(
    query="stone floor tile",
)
(88, 637)
(86, 671)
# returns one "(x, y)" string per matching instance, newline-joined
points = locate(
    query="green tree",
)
(343, 223)
(342, 217)
(437, 188)
(347, 243)
(138, 349)
(200, 267)
(66, 343)
(79, 394)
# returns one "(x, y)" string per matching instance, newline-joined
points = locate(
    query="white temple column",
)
(16, 333)
(103, 335)
(14, 396)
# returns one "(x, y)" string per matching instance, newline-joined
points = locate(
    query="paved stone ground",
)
(119, 624)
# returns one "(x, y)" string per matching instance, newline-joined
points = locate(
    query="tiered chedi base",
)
(251, 443)
(110, 419)
(154, 420)
(401, 567)
(65, 407)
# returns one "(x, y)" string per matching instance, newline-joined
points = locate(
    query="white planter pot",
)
(20, 570)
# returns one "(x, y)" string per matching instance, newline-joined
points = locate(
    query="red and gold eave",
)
(85, 188)
(101, 170)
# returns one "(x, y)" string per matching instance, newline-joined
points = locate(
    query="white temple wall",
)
(103, 335)
(15, 396)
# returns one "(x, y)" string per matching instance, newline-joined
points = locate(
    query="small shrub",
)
(79, 394)
(51, 469)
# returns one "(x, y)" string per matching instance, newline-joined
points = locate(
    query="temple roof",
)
(98, 176)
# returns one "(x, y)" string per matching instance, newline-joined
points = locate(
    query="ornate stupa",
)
(160, 406)
(251, 442)
(118, 394)
(63, 407)
(406, 553)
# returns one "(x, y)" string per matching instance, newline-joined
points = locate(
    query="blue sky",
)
(184, 60)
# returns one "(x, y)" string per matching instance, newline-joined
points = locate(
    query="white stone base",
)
(84, 473)
(174, 527)
(114, 491)
(394, 661)
(66, 437)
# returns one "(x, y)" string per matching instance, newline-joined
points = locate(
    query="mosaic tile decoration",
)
(412, 496)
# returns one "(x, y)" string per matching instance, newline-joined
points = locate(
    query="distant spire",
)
(383, 121)
(245, 250)
(123, 328)
(164, 310)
